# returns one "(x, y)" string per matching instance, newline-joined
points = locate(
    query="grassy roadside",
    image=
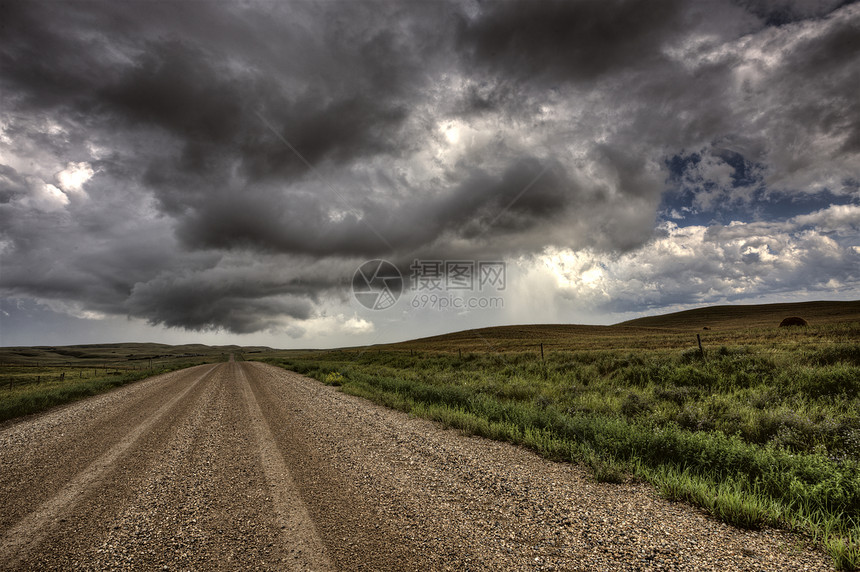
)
(35, 389)
(765, 430)
(35, 378)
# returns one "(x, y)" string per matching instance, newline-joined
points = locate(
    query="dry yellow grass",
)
(726, 325)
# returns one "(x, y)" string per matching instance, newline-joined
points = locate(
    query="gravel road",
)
(245, 466)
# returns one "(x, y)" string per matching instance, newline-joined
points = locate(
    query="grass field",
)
(760, 429)
(33, 379)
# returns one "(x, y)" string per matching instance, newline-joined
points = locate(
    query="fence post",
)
(701, 349)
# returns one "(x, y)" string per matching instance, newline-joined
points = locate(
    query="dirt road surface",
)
(243, 466)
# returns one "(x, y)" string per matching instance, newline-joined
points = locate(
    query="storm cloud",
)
(226, 167)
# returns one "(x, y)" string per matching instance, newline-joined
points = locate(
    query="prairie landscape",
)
(761, 427)
(607, 447)
(428, 206)
(35, 378)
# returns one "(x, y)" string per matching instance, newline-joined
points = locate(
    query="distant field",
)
(763, 429)
(33, 379)
(123, 355)
(725, 324)
(752, 316)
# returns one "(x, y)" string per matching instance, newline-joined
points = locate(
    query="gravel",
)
(246, 466)
(468, 503)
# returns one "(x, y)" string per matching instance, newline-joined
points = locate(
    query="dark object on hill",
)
(793, 321)
(706, 328)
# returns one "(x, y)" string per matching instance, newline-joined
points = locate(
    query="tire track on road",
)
(18, 541)
(246, 466)
(355, 533)
(299, 533)
(201, 504)
(463, 503)
(51, 448)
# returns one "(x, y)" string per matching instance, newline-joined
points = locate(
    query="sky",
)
(234, 172)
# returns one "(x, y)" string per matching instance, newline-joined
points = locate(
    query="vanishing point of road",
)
(244, 466)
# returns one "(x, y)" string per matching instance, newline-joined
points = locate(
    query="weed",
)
(765, 431)
(35, 396)
(844, 552)
(334, 378)
(735, 506)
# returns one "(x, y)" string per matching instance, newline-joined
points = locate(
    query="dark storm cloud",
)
(526, 194)
(44, 64)
(239, 304)
(340, 131)
(225, 166)
(568, 41)
(214, 110)
(180, 89)
(12, 185)
(781, 12)
(483, 205)
(821, 67)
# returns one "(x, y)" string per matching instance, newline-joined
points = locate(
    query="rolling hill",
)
(726, 324)
(113, 353)
(751, 316)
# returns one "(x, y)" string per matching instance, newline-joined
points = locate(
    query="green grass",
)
(33, 379)
(37, 389)
(765, 431)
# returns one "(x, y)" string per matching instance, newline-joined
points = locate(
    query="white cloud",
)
(704, 265)
(74, 309)
(44, 196)
(839, 218)
(74, 176)
(338, 325)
